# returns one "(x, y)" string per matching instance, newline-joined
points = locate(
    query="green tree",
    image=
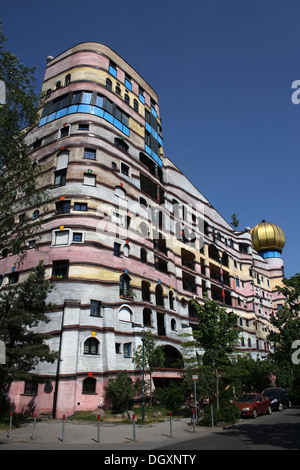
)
(18, 173)
(215, 334)
(120, 391)
(153, 357)
(234, 221)
(22, 308)
(287, 326)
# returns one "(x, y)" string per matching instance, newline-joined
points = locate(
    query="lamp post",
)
(143, 381)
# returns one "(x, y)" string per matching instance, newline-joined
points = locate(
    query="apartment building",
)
(127, 239)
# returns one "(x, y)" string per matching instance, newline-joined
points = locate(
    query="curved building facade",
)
(127, 239)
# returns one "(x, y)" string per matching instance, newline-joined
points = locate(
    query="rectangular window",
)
(77, 237)
(90, 154)
(64, 131)
(31, 388)
(117, 218)
(86, 97)
(125, 169)
(113, 69)
(128, 82)
(89, 179)
(83, 127)
(60, 177)
(127, 350)
(80, 206)
(61, 237)
(95, 308)
(117, 247)
(60, 269)
(141, 96)
(99, 101)
(63, 207)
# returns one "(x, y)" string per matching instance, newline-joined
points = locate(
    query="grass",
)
(153, 414)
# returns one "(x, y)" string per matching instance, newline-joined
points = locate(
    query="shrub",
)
(120, 391)
(227, 413)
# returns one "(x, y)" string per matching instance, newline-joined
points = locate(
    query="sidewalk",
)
(51, 434)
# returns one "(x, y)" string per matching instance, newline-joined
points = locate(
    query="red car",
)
(253, 404)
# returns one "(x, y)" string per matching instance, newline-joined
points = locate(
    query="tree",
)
(234, 221)
(120, 391)
(18, 173)
(153, 357)
(287, 324)
(215, 333)
(22, 308)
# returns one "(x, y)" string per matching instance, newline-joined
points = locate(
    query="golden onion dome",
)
(267, 236)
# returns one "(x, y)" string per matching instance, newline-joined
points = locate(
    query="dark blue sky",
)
(223, 70)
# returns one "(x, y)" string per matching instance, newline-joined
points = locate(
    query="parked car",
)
(253, 404)
(279, 398)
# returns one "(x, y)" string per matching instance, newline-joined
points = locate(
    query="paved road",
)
(279, 431)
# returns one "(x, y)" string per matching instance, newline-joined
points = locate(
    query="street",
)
(279, 431)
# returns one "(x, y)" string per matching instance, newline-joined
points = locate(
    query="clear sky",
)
(223, 71)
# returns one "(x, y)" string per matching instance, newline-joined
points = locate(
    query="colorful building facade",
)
(127, 239)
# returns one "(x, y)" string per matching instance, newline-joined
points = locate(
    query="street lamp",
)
(143, 381)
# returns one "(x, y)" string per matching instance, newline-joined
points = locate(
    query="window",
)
(126, 99)
(128, 82)
(117, 247)
(121, 144)
(68, 79)
(13, 278)
(89, 179)
(171, 299)
(62, 160)
(83, 127)
(147, 317)
(108, 84)
(63, 207)
(35, 214)
(89, 385)
(124, 285)
(127, 350)
(113, 69)
(159, 295)
(125, 169)
(31, 387)
(64, 131)
(95, 310)
(60, 269)
(77, 237)
(117, 218)
(143, 255)
(80, 206)
(91, 346)
(146, 291)
(89, 154)
(125, 314)
(141, 95)
(99, 101)
(136, 105)
(173, 324)
(60, 177)
(61, 237)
